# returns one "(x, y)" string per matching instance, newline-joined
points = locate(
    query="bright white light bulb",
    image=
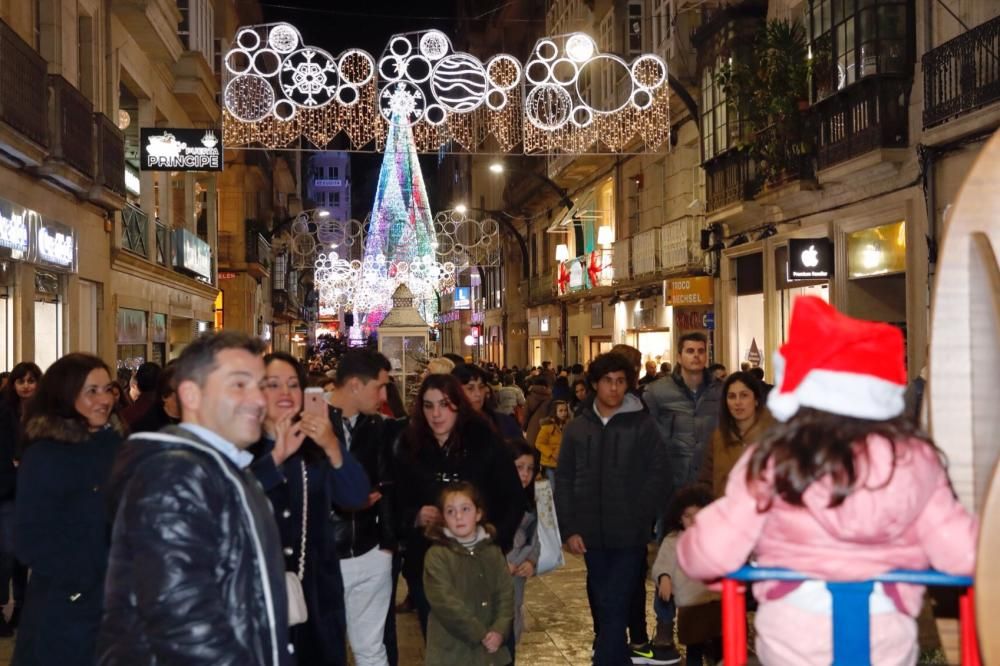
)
(579, 47)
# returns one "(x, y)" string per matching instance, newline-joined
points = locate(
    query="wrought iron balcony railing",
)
(543, 287)
(163, 244)
(962, 74)
(134, 226)
(71, 127)
(865, 116)
(23, 89)
(110, 155)
(729, 178)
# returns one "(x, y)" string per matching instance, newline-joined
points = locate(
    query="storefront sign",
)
(877, 251)
(14, 226)
(463, 298)
(229, 275)
(131, 327)
(177, 149)
(810, 259)
(689, 291)
(192, 254)
(55, 244)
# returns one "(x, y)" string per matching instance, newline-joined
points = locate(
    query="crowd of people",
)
(237, 507)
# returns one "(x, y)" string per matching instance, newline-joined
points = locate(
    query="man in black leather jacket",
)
(196, 574)
(365, 538)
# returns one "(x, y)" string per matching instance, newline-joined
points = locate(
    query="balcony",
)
(730, 178)
(679, 244)
(109, 189)
(621, 262)
(135, 225)
(23, 99)
(258, 255)
(645, 253)
(963, 74)
(866, 116)
(542, 288)
(163, 244)
(152, 23)
(71, 137)
(196, 88)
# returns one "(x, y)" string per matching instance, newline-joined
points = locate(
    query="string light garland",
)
(277, 89)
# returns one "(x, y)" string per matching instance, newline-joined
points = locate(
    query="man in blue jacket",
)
(608, 486)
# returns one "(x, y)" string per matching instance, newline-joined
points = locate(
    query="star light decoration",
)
(277, 89)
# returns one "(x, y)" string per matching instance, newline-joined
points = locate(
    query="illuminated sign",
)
(463, 298)
(192, 254)
(688, 291)
(14, 226)
(176, 149)
(55, 244)
(810, 259)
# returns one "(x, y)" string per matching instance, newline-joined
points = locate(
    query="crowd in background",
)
(237, 507)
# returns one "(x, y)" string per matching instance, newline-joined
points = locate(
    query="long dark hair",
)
(815, 443)
(311, 451)
(20, 371)
(56, 395)
(419, 433)
(518, 448)
(727, 424)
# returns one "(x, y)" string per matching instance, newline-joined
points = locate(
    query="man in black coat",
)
(196, 573)
(609, 482)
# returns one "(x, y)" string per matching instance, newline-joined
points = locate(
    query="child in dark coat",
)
(468, 586)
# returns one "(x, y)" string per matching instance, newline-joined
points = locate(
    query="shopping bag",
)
(549, 539)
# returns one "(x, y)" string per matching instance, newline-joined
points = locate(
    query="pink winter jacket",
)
(909, 521)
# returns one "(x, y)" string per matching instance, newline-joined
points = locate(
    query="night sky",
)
(336, 25)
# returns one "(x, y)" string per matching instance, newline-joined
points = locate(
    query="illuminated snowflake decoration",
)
(309, 77)
(403, 98)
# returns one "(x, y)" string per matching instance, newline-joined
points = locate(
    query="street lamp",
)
(496, 167)
(461, 209)
(562, 252)
(605, 236)
(323, 213)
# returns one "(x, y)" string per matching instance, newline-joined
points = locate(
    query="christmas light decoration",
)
(277, 89)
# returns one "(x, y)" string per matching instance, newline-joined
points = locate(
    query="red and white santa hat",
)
(839, 365)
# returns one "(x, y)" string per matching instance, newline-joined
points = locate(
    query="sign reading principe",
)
(176, 149)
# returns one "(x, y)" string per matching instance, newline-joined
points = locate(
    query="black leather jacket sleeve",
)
(169, 512)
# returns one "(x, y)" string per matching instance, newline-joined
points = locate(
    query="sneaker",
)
(651, 654)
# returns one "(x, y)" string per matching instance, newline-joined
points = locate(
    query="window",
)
(635, 28)
(336, 198)
(661, 24)
(852, 39)
(336, 172)
(715, 112)
(197, 27)
(606, 43)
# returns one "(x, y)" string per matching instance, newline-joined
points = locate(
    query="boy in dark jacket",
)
(608, 484)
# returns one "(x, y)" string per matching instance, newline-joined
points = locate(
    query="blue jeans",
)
(611, 576)
(665, 611)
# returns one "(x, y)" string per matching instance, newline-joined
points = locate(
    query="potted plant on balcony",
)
(769, 88)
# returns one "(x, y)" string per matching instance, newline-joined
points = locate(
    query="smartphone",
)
(314, 402)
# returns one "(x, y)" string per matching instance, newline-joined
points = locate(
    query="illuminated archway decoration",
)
(277, 89)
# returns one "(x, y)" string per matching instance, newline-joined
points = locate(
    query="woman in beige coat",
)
(743, 419)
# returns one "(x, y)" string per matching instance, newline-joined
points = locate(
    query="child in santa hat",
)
(843, 488)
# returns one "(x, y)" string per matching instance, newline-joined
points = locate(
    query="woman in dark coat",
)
(62, 525)
(447, 441)
(20, 387)
(165, 411)
(334, 477)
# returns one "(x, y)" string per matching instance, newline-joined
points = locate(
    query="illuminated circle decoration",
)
(642, 99)
(580, 47)
(248, 39)
(284, 110)
(546, 49)
(417, 69)
(283, 38)
(435, 114)
(405, 98)
(434, 45)
(496, 99)
(582, 116)
(538, 72)
(564, 71)
(396, 45)
(459, 83)
(548, 106)
(593, 66)
(347, 95)
(503, 71)
(391, 68)
(248, 97)
(238, 62)
(648, 71)
(356, 67)
(266, 62)
(309, 77)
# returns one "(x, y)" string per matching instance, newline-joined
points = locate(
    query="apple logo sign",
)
(810, 257)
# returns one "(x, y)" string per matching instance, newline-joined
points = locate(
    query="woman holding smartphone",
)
(305, 472)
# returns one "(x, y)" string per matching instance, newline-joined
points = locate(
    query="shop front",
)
(544, 326)
(690, 304)
(645, 323)
(590, 328)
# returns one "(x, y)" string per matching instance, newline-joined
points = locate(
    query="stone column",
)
(147, 184)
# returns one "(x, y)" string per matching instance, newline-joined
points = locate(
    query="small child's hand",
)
(525, 570)
(665, 588)
(492, 642)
